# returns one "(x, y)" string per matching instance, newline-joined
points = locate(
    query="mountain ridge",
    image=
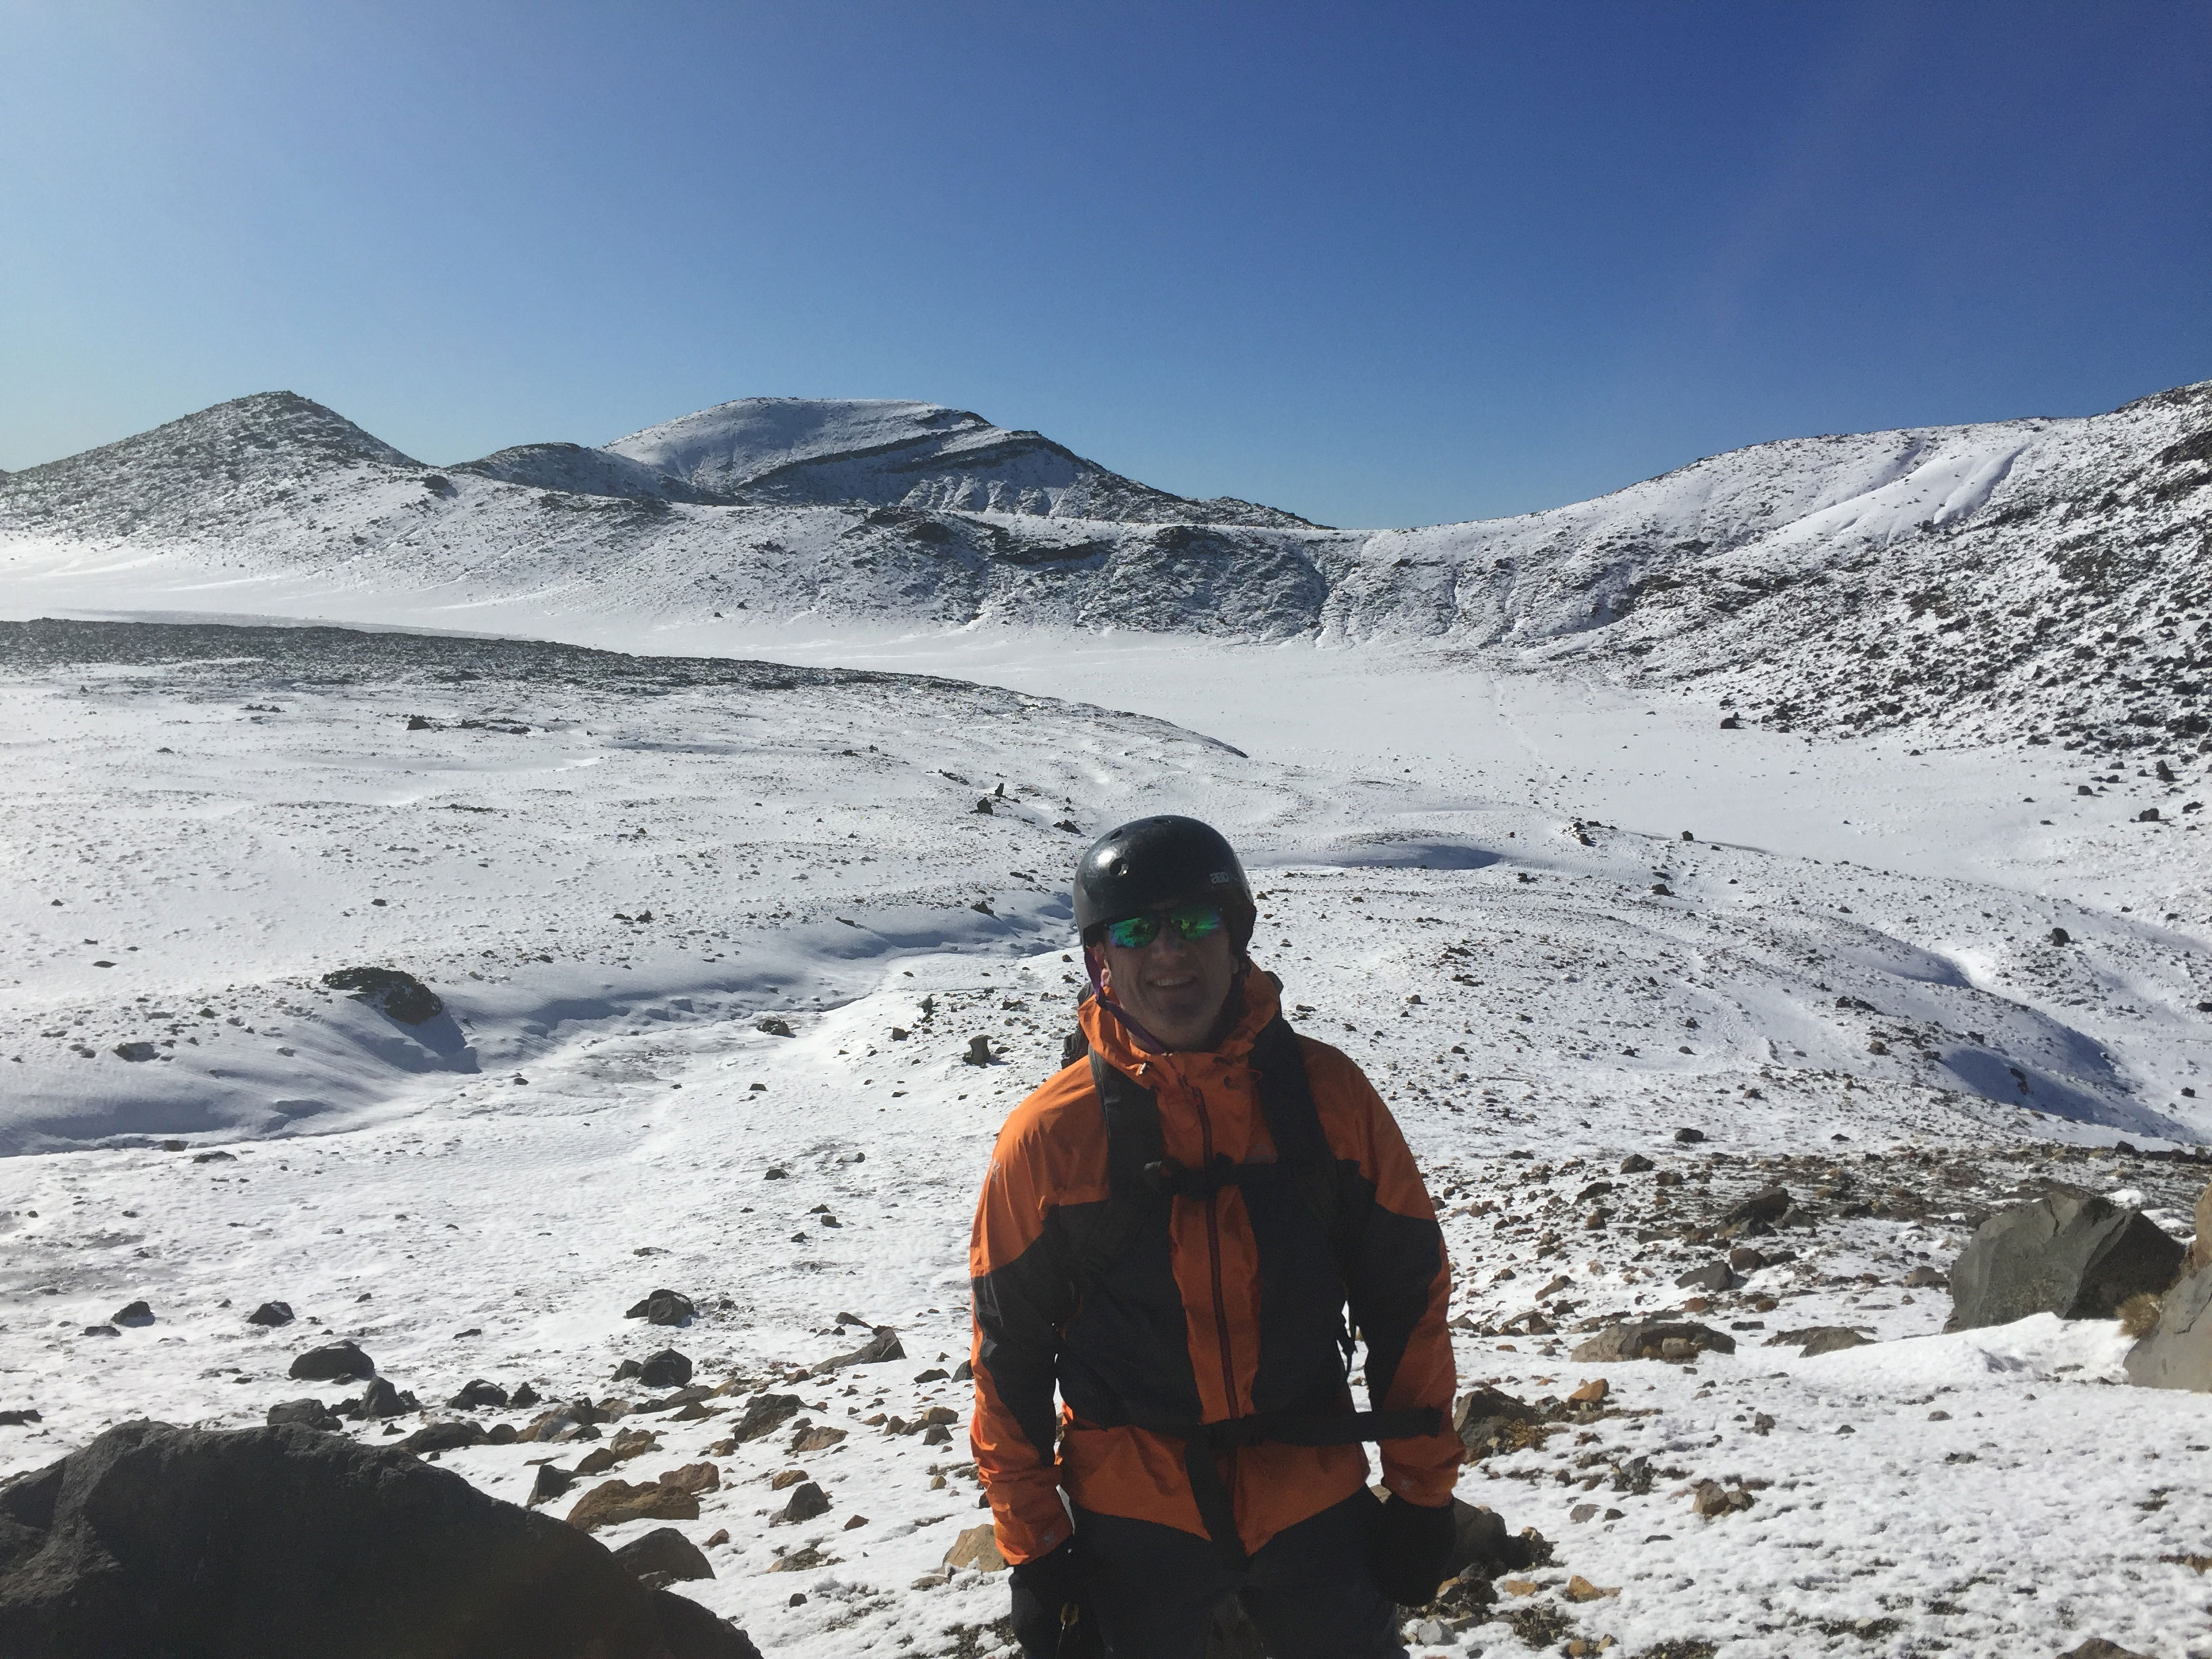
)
(2042, 577)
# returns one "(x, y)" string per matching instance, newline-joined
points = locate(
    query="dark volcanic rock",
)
(402, 996)
(665, 1370)
(132, 1313)
(156, 1539)
(444, 1436)
(340, 1362)
(666, 1554)
(303, 1414)
(478, 1393)
(271, 1313)
(663, 1308)
(764, 1415)
(2078, 1257)
(381, 1398)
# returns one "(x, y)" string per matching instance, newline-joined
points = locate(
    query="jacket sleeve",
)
(1020, 1302)
(1400, 1290)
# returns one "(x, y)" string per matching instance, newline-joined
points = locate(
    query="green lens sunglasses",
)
(1190, 921)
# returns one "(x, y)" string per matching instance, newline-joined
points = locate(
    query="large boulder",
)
(156, 1539)
(2177, 1352)
(2070, 1254)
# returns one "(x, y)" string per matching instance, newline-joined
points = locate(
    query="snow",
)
(773, 811)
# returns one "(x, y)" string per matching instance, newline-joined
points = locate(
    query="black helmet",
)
(1157, 862)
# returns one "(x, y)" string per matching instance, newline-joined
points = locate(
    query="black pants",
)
(1309, 1588)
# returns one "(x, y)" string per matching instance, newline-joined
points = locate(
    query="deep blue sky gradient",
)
(1379, 264)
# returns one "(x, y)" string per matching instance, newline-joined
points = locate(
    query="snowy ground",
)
(610, 899)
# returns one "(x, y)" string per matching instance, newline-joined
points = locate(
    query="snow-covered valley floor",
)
(1463, 888)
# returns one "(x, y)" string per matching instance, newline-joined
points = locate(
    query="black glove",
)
(1408, 1549)
(1052, 1606)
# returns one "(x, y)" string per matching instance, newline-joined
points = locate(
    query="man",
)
(1170, 1233)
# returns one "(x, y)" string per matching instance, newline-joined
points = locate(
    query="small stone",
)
(597, 1461)
(720, 1535)
(856, 1520)
(136, 1051)
(1713, 1276)
(478, 1394)
(271, 1314)
(693, 1477)
(1580, 1588)
(807, 1501)
(1582, 1512)
(977, 1548)
(551, 1482)
(665, 1370)
(772, 1025)
(783, 1478)
(133, 1312)
(820, 1438)
(613, 1501)
(1635, 1163)
(1689, 1137)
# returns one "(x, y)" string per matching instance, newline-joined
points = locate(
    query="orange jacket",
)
(1050, 1164)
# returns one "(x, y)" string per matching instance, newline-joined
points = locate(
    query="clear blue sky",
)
(1380, 263)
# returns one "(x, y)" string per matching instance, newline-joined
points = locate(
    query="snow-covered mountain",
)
(892, 453)
(2031, 577)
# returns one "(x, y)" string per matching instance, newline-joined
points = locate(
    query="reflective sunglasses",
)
(1191, 922)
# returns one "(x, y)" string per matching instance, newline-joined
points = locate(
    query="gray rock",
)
(156, 1539)
(886, 1346)
(665, 1554)
(2177, 1352)
(665, 1370)
(1713, 1276)
(2098, 1647)
(476, 1395)
(340, 1362)
(271, 1314)
(1484, 1419)
(1650, 1339)
(808, 1500)
(2075, 1256)
(132, 1313)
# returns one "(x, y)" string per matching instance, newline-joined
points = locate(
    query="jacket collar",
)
(1254, 1000)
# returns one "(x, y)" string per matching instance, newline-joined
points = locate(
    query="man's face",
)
(1174, 987)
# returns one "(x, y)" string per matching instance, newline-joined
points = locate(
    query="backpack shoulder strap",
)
(1133, 1144)
(1329, 1185)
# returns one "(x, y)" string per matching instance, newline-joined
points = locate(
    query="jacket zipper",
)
(1213, 1255)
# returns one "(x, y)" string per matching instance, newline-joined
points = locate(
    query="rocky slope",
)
(2034, 578)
